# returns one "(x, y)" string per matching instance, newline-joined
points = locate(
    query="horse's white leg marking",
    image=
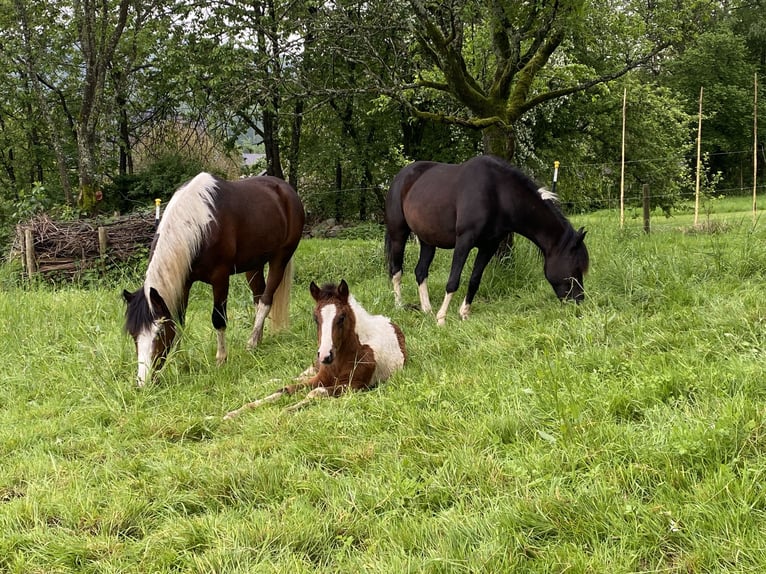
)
(325, 341)
(465, 310)
(144, 347)
(221, 354)
(441, 316)
(397, 281)
(273, 397)
(260, 319)
(425, 300)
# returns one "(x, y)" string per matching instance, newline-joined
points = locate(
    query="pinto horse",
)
(476, 204)
(212, 229)
(357, 350)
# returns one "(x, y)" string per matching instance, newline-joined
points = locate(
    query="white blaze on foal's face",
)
(327, 319)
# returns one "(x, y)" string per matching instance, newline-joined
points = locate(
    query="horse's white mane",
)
(548, 195)
(179, 235)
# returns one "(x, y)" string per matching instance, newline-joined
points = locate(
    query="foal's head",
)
(152, 328)
(335, 320)
(566, 265)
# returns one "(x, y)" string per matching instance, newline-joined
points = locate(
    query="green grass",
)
(627, 434)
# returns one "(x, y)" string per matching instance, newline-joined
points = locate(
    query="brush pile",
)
(66, 248)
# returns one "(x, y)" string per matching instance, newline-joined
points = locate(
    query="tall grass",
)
(626, 434)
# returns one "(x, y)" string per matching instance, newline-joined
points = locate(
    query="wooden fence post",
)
(29, 252)
(103, 242)
(646, 207)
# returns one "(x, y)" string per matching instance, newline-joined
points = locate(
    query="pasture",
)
(626, 434)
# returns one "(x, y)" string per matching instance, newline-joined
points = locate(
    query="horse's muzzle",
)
(328, 358)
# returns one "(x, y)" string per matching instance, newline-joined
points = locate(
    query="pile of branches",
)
(69, 247)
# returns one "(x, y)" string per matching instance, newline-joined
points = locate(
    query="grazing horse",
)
(356, 350)
(211, 229)
(476, 204)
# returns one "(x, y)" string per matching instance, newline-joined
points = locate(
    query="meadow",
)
(625, 434)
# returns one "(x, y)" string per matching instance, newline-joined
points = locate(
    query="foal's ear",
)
(314, 291)
(127, 295)
(343, 289)
(580, 235)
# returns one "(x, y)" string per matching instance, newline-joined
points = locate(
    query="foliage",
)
(625, 434)
(718, 63)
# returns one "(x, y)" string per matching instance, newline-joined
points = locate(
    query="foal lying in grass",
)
(356, 350)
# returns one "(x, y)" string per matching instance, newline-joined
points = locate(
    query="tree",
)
(719, 62)
(491, 56)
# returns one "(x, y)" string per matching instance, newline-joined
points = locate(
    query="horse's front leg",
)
(220, 296)
(483, 257)
(302, 381)
(463, 247)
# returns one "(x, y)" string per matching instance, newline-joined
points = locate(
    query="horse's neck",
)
(544, 228)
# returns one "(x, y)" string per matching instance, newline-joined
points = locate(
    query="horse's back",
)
(384, 337)
(256, 219)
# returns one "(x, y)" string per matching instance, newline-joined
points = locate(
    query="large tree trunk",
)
(500, 141)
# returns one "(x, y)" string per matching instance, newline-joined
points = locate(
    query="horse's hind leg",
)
(257, 284)
(396, 241)
(427, 253)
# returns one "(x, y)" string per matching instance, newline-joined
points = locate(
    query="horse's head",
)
(566, 265)
(334, 318)
(152, 328)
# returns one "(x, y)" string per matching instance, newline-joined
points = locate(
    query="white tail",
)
(280, 304)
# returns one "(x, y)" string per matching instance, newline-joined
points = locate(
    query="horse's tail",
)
(280, 304)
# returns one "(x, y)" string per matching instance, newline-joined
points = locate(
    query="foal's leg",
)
(220, 295)
(257, 284)
(427, 253)
(463, 247)
(483, 257)
(304, 380)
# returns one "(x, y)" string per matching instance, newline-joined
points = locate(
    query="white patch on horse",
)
(325, 341)
(144, 346)
(378, 332)
(425, 300)
(548, 195)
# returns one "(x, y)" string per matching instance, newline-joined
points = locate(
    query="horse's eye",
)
(341, 319)
(316, 319)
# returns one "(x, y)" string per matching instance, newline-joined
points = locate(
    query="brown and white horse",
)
(211, 229)
(357, 350)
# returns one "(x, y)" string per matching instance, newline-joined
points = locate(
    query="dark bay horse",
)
(212, 229)
(476, 204)
(357, 350)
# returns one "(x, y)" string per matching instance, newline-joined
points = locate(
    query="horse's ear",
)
(314, 291)
(580, 235)
(127, 295)
(156, 298)
(343, 289)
